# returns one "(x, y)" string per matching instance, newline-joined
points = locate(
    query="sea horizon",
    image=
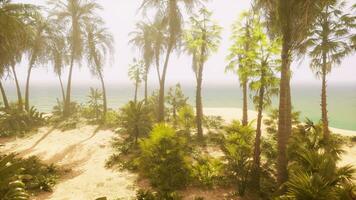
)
(305, 97)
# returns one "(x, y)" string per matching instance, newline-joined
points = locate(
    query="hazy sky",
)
(121, 16)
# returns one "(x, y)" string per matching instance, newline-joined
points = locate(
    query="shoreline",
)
(230, 113)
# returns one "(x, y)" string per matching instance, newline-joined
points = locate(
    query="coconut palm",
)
(169, 15)
(242, 56)
(263, 82)
(136, 72)
(58, 55)
(99, 47)
(15, 34)
(201, 40)
(142, 39)
(291, 20)
(329, 43)
(38, 50)
(75, 15)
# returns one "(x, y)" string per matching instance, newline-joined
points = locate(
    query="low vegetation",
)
(20, 178)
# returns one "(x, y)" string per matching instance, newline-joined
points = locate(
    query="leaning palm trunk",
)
(105, 105)
(4, 97)
(257, 148)
(324, 110)
(162, 85)
(62, 88)
(19, 95)
(284, 119)
(67, 111)
(244, 107)
(27, 91)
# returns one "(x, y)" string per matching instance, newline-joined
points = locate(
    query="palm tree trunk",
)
(245, 102)
(284, 119)
(136, 90)
(62, 88)
(67, 110)
(105, 104)
(27, 91)
(257, 148)
(19, 96)
(146, 83)
(4, 97)
(324, 110)
(199, 104)
(162, 85)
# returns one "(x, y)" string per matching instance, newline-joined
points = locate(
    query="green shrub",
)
(135, 118)
(237, 147)
(207, 171)
(176, 100)
(314, 170)
(212, 123)
(163, 159)
(14, 121)
(30, 171)
(93, 110)
(186, 118)
(16, 191)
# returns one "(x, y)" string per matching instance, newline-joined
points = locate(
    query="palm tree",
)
(169, 15)
(142, 38)
(100, 45)
(291, 20)
(328, 44)
(241, 57)
(263, 82)
(58, 56)
(136, 72)
(201, 40)
(15, 35)
(38, 50)
(76, 15)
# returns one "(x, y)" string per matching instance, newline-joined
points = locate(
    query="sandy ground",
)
(85, 150)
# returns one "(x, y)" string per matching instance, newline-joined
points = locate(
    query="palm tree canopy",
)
(169, 14)
(16, 31)
(74, 15)
(332, 36)
(99, 46)
(202, 32)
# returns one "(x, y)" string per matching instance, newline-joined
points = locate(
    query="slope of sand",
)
(84, 152)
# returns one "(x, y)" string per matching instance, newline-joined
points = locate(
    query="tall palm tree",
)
(291, 20)
(329, 43)
(142, 39)
(38, 51)
(263, 82)
(58, 55)
(76, 15)
(15, 34)
(241, 57)
(100, 45)
(201, 40)
(169, 14)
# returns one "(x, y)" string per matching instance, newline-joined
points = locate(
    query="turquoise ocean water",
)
(306, 98)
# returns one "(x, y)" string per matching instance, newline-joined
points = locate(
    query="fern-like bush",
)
(14, 121)
(18, 176)
(163, 159)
